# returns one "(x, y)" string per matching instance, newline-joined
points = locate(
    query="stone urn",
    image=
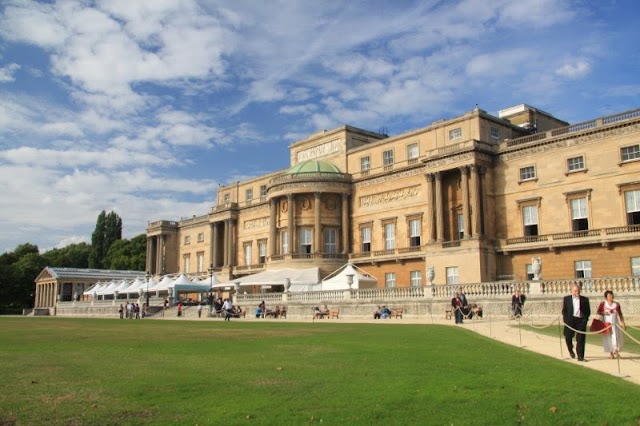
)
(536, 266)
(431, 274)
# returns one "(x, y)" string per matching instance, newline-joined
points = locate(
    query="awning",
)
(309, 276)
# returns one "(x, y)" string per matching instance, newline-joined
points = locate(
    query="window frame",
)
(330, 247)
(632, 217)
(390, 280)
(200, 261)
(247, 253)
(284, 242)
(415, 278)
(453, 275)
(186, 263)
(412, 157)
(262, 251)
(455, 134)
(388, 159)
(635, 266)
(305, 243)
(523, 176)
(414, 225)
(365, 240)
(365, 164)
(582, 164)
(584, 267)
(389, 237)
(633, 155)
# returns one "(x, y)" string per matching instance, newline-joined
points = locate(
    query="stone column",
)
(225, 244)
(290, 225)
(477, 197)
(464, 184)
(317, 235)
(149, 259)
(431, 226)
(273, 207)
(345, 223)
(439, 215)
(233, 232)
(214, 244)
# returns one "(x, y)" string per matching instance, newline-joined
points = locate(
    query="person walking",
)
(227, 307)
(199, 310)
(456, 307)
(575, 314)
(611, 312)
(517, 302)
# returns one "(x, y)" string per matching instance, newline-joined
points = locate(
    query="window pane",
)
(285, 242)
(416, 278)
(630, 152)
(452, 275)
(389, 236)
(530, 215)
(412, 151)
(390, 279)
(576, 163)
(579, 208)
(635, 266)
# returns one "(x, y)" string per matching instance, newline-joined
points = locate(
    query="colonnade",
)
(471, 179)
(46, 294)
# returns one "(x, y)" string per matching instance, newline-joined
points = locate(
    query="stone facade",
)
(475, 197)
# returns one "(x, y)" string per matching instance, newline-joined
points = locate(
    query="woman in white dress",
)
(612, 313)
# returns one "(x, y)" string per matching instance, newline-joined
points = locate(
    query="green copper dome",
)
(313, 166)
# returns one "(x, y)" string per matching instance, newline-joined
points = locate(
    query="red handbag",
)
(601, 327)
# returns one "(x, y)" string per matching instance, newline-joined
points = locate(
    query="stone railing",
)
(577, 235)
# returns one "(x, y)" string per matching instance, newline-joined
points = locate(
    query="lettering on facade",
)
(318, 151)
(390, 196)
(393, 176)
(261, 222)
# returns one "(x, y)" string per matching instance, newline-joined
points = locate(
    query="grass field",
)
(58, 371)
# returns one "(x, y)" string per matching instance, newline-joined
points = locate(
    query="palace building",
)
(474, 198)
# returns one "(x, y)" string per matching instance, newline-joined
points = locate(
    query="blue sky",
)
(143, 107)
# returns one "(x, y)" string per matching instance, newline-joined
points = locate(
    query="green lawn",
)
(58, 371)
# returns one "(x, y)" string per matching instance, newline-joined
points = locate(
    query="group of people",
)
(462, 309)
(576, 311)
(262, 311)
(382, 313)
(319, 313)
(131, 310)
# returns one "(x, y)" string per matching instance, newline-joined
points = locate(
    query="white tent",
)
(183, 284)
(299, 278)
(339, 279)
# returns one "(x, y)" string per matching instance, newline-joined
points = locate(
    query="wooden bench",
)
(334, 313)
(397, 312)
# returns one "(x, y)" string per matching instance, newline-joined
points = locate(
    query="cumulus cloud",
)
(6, 73)
(573, 70)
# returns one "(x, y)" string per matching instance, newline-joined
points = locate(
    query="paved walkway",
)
(503, 330)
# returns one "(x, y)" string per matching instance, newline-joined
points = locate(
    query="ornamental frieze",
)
(312, 187)
(568, 141)
(390, 196)
(431, 164)
(261, 222)
(388, 177)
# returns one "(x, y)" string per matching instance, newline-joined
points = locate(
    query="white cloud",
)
(6, 73)
(573, 70)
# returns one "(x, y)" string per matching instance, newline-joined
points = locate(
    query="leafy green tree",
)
(71, 256)
(18, 271)
(108, 230)
(127, 254)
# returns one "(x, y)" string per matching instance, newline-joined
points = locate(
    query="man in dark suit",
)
(575, 313)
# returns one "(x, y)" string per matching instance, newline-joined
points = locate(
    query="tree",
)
(127, 254)
(108, 230)
(71, 256)
(17, 277)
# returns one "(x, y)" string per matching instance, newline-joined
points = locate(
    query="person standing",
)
(611, 312)
(575, 314)
(517, 302)
(456, 307)
(199, 310)
(227, 307)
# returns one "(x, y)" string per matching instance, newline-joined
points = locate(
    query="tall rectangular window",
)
(583, 269)
(330, 238)
(452, 275)
(366, 239)
(527, 173)
(263, 191)
(416, 278)
(390, 279)
(248, 194)
(495, 134)
(632, 202)
(460, 223)
(455, 134)
(579, 220)
(262, 250)
(187, 239)
(530, 220)
(635, 266)
(365, 164)
(389, 236)
(387, 159)
(412, 152)
(247, 254)
(187, 264)
(630, 152)
(200, 237)
(284, 238)
(414, 232)
(200, 260)
(306, 241)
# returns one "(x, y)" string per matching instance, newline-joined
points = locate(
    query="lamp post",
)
(211, 278)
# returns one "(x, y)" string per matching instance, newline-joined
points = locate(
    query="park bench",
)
(334, 313)
(397, 312)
